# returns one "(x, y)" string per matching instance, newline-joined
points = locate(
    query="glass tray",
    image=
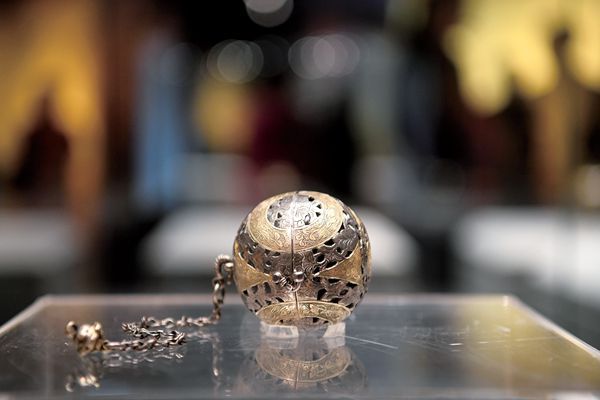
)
(439, 346)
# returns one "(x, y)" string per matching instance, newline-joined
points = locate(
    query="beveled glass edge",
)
(28, 312)
(552, 326)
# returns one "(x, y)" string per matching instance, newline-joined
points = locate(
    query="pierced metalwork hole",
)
(321, 293)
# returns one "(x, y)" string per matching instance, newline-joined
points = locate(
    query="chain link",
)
(150, 332)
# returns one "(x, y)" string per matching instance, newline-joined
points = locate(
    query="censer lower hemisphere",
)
(302, 258)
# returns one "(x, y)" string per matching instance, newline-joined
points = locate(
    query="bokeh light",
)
(332, 55)
(269, 13)
(235, 61)
(222, 112)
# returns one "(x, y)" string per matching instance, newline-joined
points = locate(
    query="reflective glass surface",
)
(393, 346)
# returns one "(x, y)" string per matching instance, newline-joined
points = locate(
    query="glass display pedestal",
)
(417, 346)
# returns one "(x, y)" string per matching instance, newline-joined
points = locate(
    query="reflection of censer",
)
(300, 258)
(311, 364)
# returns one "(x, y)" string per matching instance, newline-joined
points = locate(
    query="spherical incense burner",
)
(302, 258)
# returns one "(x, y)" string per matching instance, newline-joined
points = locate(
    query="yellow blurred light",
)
(501, 45)
(48, 48)
(482, 82)
(583, 50)
(223, 113)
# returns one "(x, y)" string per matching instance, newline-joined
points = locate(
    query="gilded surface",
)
(323, 228)
(330, 312)
(365, 245)
(246, 276)
(263, 232)
(348, 270)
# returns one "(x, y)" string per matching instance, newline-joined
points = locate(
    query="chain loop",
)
(150, 332)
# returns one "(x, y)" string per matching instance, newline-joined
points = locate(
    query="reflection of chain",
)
(151, 333)
(92, 369)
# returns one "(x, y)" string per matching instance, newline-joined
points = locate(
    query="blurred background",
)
(135, 136)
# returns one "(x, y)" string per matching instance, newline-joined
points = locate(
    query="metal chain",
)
(151, 332)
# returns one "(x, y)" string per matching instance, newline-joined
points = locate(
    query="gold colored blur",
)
(222, 113)
(498, 44)
(50, 49)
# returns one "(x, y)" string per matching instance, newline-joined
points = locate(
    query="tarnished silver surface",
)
(302, 258)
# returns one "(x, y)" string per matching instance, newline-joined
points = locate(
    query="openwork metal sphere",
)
(302, 258)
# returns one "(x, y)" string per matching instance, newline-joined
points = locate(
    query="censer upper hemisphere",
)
(302, 258)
